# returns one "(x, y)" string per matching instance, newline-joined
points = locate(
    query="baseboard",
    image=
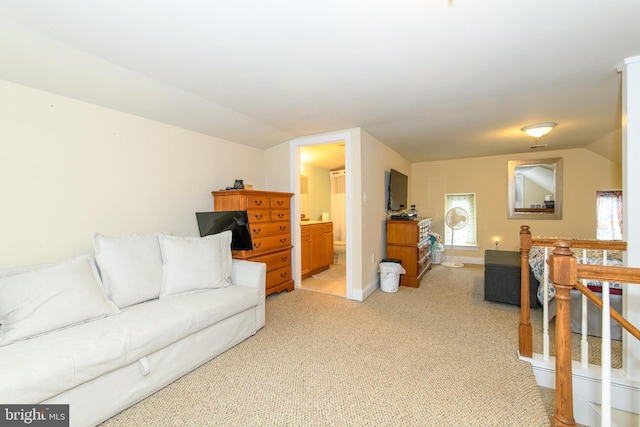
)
(587, 389)
(463, 259)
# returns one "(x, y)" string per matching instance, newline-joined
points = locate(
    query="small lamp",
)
(538, 130)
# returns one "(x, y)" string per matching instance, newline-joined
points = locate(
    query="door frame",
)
(294, 150)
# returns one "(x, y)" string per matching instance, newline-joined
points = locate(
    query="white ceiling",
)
(433, 79)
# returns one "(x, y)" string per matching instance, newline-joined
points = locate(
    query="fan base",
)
(452, 264)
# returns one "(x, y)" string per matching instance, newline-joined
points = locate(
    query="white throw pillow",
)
(49, 298)
(130, 267)
(192, 264)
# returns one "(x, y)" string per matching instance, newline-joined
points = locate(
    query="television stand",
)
(409, 242)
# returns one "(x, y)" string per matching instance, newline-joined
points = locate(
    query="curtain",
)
(466, 236)
(609, 214)
(339, 205)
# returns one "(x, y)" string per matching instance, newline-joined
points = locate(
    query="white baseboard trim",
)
(587, 389)
(361, 295)
(463, 259)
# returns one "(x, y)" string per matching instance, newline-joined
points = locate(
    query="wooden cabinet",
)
(305, 251)
(327, 238)
(270, 223)
(409, 242)
(316, 247)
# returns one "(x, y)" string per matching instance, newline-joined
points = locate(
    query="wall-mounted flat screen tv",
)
(217, 222)
(398, 188)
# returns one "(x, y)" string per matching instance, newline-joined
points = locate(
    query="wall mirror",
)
(535, 189)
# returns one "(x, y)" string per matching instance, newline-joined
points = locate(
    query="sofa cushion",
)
(192, 264)
(51, 297)
(37, 369)
(130, 267)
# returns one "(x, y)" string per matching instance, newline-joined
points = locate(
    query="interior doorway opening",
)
(317, 161)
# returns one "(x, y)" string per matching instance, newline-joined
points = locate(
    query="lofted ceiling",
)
(432, 79)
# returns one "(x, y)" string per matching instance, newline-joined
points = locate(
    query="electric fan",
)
(456, 219)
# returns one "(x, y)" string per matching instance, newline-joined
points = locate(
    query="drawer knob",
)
(283, 240)
(258, 216)
(257, 245)
(258, 202)
(284, 258)
(283, 274)
(280, 215)
(257, 230)
(283, 227)
(280, 203)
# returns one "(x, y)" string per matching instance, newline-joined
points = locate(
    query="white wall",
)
(319, 184)
(69, 168)
(631, 204)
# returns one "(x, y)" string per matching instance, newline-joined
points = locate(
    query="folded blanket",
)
(593, 256)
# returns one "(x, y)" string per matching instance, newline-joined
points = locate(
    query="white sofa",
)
(160, 307)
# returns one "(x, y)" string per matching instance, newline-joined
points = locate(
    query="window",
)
(467, 235)
(609, 212)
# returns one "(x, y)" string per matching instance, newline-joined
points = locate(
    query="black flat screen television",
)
(217, 222)
(398, 187)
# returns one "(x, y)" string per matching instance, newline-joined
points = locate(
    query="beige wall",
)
(69, 168)
(319, 185)
(377, 160)
(584, 173)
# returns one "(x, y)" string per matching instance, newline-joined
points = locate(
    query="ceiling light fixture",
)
(538, 130)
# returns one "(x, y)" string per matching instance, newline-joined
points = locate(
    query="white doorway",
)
(295, 149)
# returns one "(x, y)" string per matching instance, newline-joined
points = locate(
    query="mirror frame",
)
(533, 213)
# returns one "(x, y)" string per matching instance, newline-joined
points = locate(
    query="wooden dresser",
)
(409, 242)
(270, 223)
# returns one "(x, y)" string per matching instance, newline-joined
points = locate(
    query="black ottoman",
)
(502, 278)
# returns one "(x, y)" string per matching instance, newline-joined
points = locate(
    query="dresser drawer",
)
(278, 276)
(423, 249)
(258, 202)
(280, 202)
(258, 215)
(259, 230)
(276, 260)
(277, 215)
(272, 243)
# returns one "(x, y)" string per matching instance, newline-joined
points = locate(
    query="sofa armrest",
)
(253, 275)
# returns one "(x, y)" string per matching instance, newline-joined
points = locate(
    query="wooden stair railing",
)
(564, 272)
(525, 332)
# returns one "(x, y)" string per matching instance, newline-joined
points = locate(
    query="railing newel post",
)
(563, 269)
(525, 332)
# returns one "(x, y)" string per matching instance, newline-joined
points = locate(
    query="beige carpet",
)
(433, 356)
(594, 343)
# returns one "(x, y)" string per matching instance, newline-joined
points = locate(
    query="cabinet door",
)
(327, 253)
(305, 251)
(316, 246)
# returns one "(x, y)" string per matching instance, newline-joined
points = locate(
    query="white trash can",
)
(437, 257)
(390, 276)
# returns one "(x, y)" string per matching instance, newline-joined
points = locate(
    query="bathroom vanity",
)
(316, 247)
